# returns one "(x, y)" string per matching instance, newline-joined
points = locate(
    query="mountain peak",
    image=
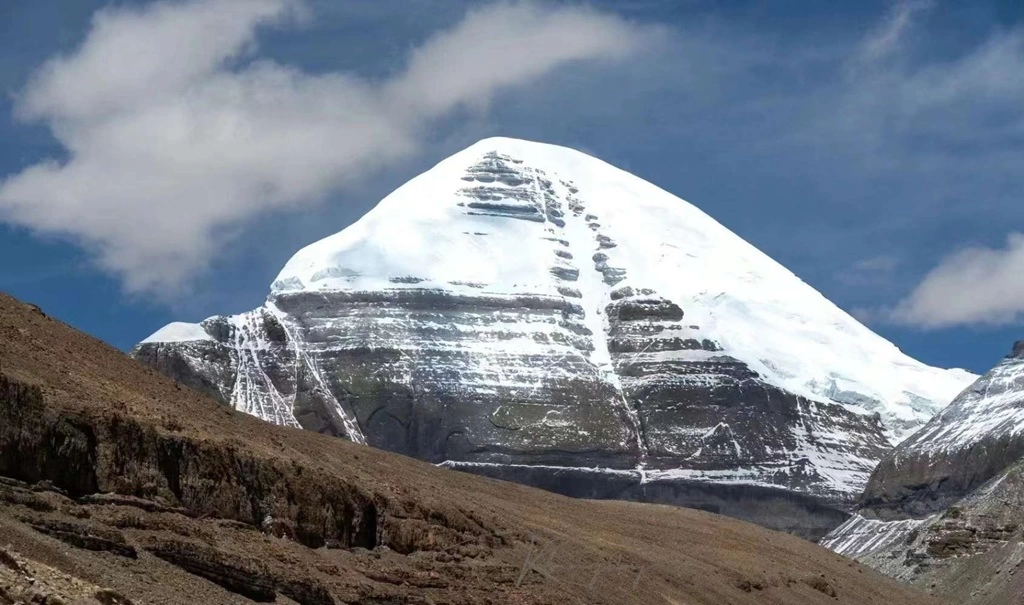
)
(1018, 350)
(485, 179)
(540, 306)
(521, 148)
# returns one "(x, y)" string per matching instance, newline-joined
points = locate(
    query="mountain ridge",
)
(941, 511)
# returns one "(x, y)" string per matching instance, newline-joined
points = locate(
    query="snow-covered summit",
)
(759, 311)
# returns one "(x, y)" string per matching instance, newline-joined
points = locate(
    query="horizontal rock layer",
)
(388, 370)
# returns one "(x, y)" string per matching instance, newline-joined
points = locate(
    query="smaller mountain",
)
(972, 440)
(971, 553)
(944, 510)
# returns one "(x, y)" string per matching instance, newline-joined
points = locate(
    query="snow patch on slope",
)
(859, 536)
(179, 332)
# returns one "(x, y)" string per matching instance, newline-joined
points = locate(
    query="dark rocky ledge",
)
(774, 508)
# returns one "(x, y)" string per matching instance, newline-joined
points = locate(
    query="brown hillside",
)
(120, 485)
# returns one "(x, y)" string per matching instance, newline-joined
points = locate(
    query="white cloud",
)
(887, 38)
(870, 272)
(976, 285)
(876, 264)
(970, 101)
(177, 134)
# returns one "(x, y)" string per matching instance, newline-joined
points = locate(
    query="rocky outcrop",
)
(23, 581)
(82, 535)
(83, 456)
(244, 576)
(972, 552)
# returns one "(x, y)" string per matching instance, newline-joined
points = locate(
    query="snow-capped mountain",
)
(523, 306)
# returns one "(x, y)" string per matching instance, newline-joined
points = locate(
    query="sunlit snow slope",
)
(533, 305)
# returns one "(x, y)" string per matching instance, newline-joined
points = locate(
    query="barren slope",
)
(118, 478)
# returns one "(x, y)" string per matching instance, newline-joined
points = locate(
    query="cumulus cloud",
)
(177, 133)
(976, 285)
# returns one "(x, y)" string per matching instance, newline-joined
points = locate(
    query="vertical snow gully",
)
(348, 418)
(584, 243)
(247, 394)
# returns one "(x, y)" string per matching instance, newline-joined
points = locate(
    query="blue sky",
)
(874, 148)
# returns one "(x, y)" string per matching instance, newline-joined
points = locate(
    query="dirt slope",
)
(122, 486)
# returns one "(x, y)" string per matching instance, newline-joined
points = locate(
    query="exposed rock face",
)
(972, 552)
(84, 457)
(24, 581)
(1018, 350)
(523, 304)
